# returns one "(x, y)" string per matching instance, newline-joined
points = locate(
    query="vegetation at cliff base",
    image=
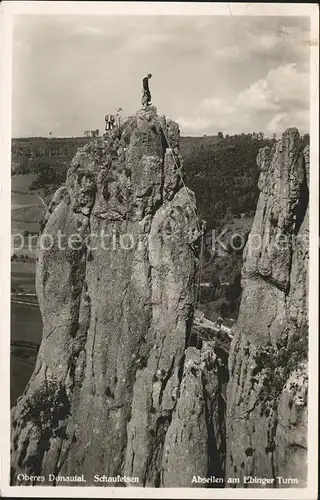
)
(47, 408)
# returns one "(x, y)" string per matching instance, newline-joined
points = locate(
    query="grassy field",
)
(22, 284)
(22, 244)
(26, 207)
(24, 200)
(26, 323)
(30, 251)
(22, 182)
(23, 277)
(23, 268)
(26, 211)
(26, 218)
(28, 214)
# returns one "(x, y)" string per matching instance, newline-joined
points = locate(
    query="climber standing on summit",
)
(146, 96)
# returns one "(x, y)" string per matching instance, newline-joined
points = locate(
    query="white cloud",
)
(213, 105)
(146, 42)
(192, 125)
(281, 121)
(269, 105)
(263, 43)
(284, 89)
(230, 52)
(288, 85)
(292, 42)
(251, 43)
(257, 97)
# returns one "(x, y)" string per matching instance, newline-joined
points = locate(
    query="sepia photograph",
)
(159, 186)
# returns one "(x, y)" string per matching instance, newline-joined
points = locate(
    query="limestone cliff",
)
(116, 388)
(267, 391)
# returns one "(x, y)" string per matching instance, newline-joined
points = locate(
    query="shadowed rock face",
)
(116, 390)
(267, 391)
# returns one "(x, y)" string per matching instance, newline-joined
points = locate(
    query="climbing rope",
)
(224, 399)
(200, 229)
(181, 177)
(198, 296)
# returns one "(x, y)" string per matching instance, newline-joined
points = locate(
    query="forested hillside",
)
(47, 158)
(221, 170)
(224, 175)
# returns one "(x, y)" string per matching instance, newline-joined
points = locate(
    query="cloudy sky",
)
(231, 74)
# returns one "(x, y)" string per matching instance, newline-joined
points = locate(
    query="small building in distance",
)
(91, 133)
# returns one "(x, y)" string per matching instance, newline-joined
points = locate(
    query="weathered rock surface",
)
(116, 389)
(267, 391)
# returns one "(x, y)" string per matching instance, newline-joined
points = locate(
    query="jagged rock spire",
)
(109, 389)
(267, 392)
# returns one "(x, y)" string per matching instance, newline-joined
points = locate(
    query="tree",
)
(306, 140)
(50, 177)
(223, 174)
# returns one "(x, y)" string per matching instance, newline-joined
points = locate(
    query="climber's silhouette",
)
(118, 117)
(146, 96)
(109, 119)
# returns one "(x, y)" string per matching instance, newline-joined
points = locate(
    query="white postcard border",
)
(8, 10)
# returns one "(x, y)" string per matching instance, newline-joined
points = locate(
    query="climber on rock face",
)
(109, 119)
(146, 97)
